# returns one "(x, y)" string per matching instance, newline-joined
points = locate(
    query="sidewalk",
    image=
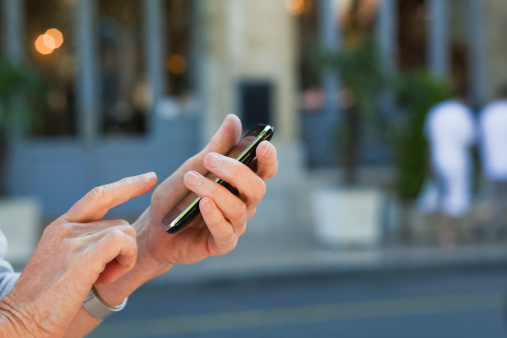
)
(284, 246)
(298, 255)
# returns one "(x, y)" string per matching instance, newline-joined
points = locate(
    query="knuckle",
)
(124, 223)
(97, 193)
(239, 210)
(115, 235)
(69, 229)
(232, 243)
(237, 170)
(124, 228)
(215, 189)
(251, 212)
(227, 245)
(240, 230)
(129, 230)
(259, 190)
(50, 230)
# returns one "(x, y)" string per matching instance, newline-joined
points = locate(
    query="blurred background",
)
(344, 242)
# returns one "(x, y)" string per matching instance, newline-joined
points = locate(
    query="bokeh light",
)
(56, 35)
(177, 64)
(42, 47)
(295, 7)
(46, 43)
(49, 41)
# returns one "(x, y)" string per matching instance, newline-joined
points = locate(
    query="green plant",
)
(23, 92)
(358, 66)
(415, 95)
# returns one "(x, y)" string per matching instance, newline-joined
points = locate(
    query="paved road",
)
(419, 304)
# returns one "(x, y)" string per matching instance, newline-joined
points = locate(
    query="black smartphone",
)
(187, 209)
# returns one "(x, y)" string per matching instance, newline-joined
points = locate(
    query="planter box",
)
(347, 217)
(20, 220)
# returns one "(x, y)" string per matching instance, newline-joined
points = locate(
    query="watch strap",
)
(99, 309)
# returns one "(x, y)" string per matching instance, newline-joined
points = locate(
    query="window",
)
(177, 19)
(49, 36)
(122, 78)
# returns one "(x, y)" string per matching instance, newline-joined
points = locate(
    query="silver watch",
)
(98, 308)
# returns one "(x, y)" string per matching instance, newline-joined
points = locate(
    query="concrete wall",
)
(496, 48)
(249, 40)
(57, 172)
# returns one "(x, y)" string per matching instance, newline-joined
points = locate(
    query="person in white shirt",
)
(450, 131)
(493, 148)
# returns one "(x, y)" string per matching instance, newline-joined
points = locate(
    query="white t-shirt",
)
(7, 275)
(493, 134)
(450, 130)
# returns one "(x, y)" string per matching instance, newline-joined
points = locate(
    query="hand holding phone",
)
(187, 210)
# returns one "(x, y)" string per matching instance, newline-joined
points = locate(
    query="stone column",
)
(476, 43)
(13, 25)
(87, 80)
(438, 37)
(330, 40)
(387, 33)
(248, 40)
(155, 47)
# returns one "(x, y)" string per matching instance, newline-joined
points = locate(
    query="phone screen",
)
(187, 211)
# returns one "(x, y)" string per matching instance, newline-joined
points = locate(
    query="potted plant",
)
(415, 94)
(353, 211)
(23, 94)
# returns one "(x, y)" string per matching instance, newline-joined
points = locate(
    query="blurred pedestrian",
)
(451, 132)
(493, 148)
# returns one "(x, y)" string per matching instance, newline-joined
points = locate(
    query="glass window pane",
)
(49, 36)
(121, 66)
(177, 22)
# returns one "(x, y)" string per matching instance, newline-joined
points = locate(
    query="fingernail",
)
(193, 178)
(266, 149)
(213, 160)
(206, 205)
(147, 177)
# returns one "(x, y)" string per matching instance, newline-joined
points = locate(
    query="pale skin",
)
(80, 249)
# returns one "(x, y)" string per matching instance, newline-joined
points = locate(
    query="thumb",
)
(96, 203)
(226, 136)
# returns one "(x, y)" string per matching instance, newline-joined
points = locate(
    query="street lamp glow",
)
(49, 41)
(46, 43)
(42, 47)
(295, 7)
(177, 64)
(56, 35)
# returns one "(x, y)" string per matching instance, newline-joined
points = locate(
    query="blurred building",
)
(141, 85)
(454, 39)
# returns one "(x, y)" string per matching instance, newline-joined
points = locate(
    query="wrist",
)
(145, 269)
(13, 322)
(147, 264)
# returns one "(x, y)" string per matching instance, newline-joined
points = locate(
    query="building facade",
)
(142, 86)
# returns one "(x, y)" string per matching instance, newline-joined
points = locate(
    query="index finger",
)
(96, 203)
